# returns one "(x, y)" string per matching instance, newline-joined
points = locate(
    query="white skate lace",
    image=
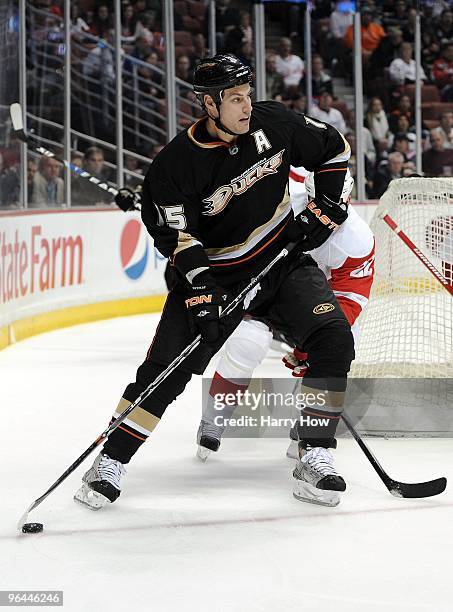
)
(210, 430)
(111, 470)
(321, 460)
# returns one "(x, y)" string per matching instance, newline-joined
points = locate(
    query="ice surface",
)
(226, 535)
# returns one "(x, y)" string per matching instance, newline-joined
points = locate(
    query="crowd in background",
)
(387, 36)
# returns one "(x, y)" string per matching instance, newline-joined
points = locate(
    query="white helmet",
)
(345, 194)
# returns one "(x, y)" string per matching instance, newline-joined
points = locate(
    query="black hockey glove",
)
(204, 302)
(319, 220)
(126, 199)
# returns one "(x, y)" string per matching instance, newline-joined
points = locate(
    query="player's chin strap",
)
(219, 125)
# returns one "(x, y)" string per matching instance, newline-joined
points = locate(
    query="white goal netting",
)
(407, 328)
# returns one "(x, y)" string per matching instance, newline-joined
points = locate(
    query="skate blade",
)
(203, 453)
(304, 491)
(89, 498)
(293, 450)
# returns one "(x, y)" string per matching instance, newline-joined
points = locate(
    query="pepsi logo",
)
(134, 249)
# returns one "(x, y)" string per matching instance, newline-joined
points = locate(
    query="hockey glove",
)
(126, 199)
(319, 220)
(204, 302)
(297, 362)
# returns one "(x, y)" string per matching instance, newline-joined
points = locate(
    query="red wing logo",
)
(220, 198)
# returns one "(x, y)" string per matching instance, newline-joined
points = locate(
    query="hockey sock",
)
(127, 438)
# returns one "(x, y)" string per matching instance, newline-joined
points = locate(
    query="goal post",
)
(407, 328)
(402, 377)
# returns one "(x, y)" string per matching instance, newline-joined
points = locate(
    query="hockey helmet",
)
(215, 74)
(347, 186)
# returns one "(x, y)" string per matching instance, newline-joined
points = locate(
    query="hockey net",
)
(407, 327)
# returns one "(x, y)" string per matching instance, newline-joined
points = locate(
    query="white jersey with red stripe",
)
(346, 258)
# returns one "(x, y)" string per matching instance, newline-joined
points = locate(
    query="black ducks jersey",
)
(225, 206)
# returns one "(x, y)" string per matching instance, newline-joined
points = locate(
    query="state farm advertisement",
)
(66, 258)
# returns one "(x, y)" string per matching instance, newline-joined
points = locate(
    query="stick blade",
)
(16, 117)
(417, 490)
(24, 517)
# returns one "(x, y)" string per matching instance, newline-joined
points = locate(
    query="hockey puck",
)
(32, 527)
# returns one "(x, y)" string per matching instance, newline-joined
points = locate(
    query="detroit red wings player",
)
(347, 260)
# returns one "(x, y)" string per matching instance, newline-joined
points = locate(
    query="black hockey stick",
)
(19, 131)
(162, 376)
(396, 488)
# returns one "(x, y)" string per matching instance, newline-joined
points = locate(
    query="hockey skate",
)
(209, 437)
(317, 481)
(101, 483)
(292, 451)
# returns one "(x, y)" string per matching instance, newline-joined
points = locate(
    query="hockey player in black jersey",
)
(216, 202)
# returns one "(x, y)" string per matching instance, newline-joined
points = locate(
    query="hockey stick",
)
(396, 488)
(19, 131)
(416, 251)
(158, 380)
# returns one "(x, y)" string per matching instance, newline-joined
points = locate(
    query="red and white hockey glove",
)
(297, 362)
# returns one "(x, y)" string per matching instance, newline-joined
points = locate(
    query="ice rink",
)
(223, 536)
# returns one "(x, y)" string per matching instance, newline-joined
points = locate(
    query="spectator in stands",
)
(299, 103)
(376, 120)
(102, 22)
(10, 184)
(404, 108)
(128, 23)
(290, 66)
(339, 21)
(183, 70)
(368, 181)
(386, 52)
(409, 28)
(371, 33)
(399, 16)
(320, 81)
(98, 63)
(401, 145)
(227, 18)
(325, 112)
(402, 69)
(48, 187)
(444, 31)
(85, 193)
(142, 47)
(157, 148)
(77, 160)
(246, 54)
(368, 146)
(132, 165)
(274, 80)
(437, 161)
(443, 73)
(200, 49)
(446, 128)
(148, 28)
(240, 34)
(32, 169)
(393, 169)
(403, 128)
(430, 50)
(150, 79)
